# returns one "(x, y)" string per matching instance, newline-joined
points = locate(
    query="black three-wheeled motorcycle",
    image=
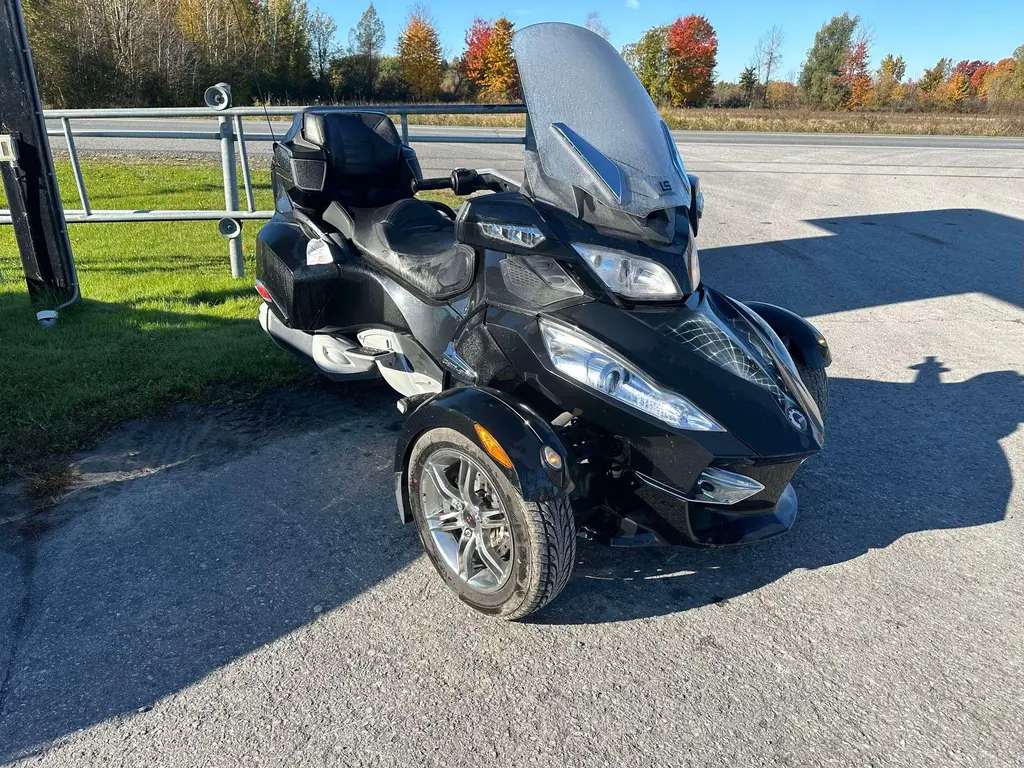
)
(563, 370)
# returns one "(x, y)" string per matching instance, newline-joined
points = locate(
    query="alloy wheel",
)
(467, 519)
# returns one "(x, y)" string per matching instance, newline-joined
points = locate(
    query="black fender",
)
(802, 339)
(520, 430)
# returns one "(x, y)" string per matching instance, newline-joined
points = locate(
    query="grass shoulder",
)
(797, 120)
(161, 319)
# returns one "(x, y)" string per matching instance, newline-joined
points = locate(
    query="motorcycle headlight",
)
(588, 361)
(631, 276)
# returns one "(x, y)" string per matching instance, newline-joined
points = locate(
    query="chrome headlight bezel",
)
(633, 277)
(693, 262)
(604, 370)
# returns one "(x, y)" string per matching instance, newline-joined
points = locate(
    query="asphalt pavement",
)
(260, 148)
(234, 587)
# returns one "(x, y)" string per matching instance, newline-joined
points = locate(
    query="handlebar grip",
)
(439, 182)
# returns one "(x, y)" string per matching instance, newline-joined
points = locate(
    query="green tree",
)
(821, 75)
(366, 41)
(1017, 80)
(322, 46)
(893, 67)
(887, 81)
(649, 59)
(932, 79)
(748, 83)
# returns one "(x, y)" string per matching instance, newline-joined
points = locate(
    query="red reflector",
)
(263, 292)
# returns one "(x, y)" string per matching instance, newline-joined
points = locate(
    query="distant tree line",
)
(676, 64)
(166, 52)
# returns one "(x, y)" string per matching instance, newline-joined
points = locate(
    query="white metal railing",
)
(233, 138)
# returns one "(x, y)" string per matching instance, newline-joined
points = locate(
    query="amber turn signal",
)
(493, 447)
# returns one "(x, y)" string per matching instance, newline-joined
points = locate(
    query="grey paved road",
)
(278, 127)
(235, 589)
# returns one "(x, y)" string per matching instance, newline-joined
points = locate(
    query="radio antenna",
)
(256, 81)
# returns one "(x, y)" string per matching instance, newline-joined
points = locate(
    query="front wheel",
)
(500, 554)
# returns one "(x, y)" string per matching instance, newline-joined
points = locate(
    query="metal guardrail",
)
(233, 138)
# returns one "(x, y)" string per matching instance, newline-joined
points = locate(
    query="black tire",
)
(816, 381)
(544, 534)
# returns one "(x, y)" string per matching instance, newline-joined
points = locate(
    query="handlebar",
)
(438, 182)
(466, 181)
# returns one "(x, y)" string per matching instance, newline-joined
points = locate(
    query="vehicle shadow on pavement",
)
(898, 459)
(868, 261)
(224, 537)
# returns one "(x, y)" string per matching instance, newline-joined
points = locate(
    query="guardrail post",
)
(405, 128)
(227, 159)
(76, 167)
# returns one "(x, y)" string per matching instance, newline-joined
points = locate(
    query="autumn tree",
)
(888, 80)
(781, 94)
(649, 60)
(500, 77)
(1005, 81)
(855, 74)
(366, 42)
(419, 55)
(821, 75)
(979, 80)
(692, 55)
(968, 68)
(958, 90)
(593, 23)
(477, 37)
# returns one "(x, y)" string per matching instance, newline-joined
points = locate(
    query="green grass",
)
(161, 320)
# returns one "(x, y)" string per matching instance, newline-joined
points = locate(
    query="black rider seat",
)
(368, 192)
(416, 242)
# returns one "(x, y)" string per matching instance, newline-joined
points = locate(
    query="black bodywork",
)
(471, 304)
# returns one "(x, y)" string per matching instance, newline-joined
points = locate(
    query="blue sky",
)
(919, 30)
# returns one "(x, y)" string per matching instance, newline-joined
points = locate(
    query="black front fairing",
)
(697, 350)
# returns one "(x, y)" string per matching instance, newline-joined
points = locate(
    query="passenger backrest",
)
(365, 162)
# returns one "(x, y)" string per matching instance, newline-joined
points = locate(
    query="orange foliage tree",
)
(692, 55)
(500, 78)
(979, 79)
(419, 55)
(477, 37)
(855, 74)
(959, 89)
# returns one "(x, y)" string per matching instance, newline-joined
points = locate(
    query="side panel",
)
(796, 333)
(301, 292)
(520, 431)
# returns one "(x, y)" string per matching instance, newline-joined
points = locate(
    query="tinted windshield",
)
(593, 126)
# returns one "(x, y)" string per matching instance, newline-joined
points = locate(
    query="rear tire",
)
(521, 552)
(816, 381)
